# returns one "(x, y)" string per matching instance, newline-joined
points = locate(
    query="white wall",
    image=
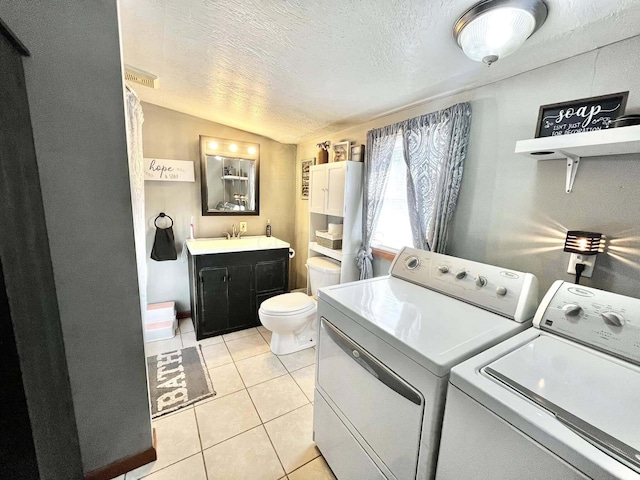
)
(173, 135)
(512, 211)
(74, 85)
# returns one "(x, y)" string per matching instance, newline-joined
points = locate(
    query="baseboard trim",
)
(181, 315)
(124, 465)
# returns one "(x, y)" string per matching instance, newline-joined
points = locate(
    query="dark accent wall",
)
(37, 422)
(76, 98)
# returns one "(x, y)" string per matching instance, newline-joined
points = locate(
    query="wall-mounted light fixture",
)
(494, 29)
(583, 246)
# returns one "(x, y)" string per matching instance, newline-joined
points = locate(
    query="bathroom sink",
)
(206, 246)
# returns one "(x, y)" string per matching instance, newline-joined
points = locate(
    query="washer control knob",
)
(481, 281)
(461, 274)
(501, 291)
(443, 269)
(613, 318)
(572, 310)
(412, 262)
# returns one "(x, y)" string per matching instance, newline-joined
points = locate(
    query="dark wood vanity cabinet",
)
(227, 289)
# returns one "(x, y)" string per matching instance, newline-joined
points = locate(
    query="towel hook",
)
(162, 215)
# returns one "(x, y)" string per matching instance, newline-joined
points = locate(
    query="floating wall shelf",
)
(235, 177)
(612, 141)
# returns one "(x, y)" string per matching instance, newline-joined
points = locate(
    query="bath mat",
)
(177, 379)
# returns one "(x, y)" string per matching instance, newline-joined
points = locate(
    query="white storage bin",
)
(161, 312)
(160, 330)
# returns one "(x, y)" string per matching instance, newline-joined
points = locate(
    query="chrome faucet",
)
(235, 233)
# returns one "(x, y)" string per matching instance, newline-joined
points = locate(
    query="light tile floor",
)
(258, 426)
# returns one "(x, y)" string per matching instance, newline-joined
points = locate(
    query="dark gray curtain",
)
(378, 154)
(435, 147)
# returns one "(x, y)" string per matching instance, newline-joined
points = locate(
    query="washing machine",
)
(558, 401)
(385, 350)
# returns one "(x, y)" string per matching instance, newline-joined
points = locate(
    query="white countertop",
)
(206, 246)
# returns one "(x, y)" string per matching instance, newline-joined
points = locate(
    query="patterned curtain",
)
(134, 119)
(379, 151)
(435, 146)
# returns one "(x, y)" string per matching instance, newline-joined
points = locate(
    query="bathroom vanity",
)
(230, 278)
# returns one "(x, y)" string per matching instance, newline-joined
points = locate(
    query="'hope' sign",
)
(168, 170)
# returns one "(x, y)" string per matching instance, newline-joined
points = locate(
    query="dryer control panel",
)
(506, 292)
(603, 320)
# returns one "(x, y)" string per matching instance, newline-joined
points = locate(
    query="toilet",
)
(291, 317)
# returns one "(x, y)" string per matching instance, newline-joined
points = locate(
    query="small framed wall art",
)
(357, 153)
(583, 115)
(305, 169)
(341, 151)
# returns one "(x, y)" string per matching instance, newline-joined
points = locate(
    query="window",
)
(394, 229)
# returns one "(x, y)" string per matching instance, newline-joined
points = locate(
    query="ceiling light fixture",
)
(494, 29)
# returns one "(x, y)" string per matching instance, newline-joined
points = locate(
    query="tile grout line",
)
(163, 468)
(206, 474)
(274, 447)
(307, 463)
(204, 464)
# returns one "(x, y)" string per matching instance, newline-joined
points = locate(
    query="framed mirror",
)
(229, 176)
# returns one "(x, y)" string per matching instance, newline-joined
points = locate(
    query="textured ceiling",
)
(293, 70)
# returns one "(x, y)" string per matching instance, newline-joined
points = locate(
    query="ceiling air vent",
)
(139, 76)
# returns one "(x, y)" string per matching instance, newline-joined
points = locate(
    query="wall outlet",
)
(243, 227)
(588, 260)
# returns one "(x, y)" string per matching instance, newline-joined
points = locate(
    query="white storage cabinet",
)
(335, 196)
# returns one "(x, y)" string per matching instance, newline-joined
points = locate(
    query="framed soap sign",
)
(583, 115)
(164, 170)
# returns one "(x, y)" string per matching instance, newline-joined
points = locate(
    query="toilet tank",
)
(323, 272)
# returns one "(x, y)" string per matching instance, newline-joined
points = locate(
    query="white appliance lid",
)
(434, 330)
(287, 303)
(324, 264)
(593, 394)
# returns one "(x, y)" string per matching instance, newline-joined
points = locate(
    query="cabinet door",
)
(242, 312)
(317, 188)
(271, 275)
(335, 189)
(214, 301)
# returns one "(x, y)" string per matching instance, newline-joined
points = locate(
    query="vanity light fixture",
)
(213, 145)
(233, 147)
(583, 246)
(251, 150)
(494, 29)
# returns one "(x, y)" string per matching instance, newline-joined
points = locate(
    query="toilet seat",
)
(296, 303)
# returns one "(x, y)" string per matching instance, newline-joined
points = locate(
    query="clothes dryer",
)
(385, 349)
